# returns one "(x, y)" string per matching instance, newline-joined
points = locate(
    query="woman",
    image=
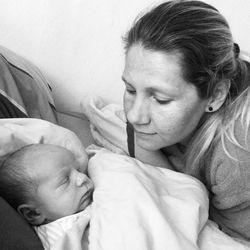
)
(187, 95)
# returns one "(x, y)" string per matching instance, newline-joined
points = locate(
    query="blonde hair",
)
(220, 126)
(202, 36)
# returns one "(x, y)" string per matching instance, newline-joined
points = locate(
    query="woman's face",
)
(163, 108)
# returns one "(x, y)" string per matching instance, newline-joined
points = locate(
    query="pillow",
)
(18, 132)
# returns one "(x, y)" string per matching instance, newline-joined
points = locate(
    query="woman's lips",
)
(144, 133)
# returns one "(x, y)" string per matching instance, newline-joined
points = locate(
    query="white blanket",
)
(137, 206)
(141, 207)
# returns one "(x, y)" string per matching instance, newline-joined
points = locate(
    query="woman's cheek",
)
(162, 118)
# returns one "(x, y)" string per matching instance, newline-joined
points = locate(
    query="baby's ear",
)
(31, 214)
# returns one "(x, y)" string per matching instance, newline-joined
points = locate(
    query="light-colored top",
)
(228, 181)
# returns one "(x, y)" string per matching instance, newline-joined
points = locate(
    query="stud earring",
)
(210, 109)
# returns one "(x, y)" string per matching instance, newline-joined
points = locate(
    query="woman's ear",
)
(219, 96)
(31, 214)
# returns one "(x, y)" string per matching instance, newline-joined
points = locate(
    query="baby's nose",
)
(81, 179)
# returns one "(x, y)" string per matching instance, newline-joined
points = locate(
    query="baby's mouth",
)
(89, 193)
(87, 196)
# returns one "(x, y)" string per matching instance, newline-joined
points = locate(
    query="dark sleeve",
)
(130, 139)
(24, 95)
(8, 110)
(16, 234)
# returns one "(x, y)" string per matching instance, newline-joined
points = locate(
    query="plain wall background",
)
(78, 45)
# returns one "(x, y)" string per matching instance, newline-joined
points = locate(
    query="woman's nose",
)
(138, 113)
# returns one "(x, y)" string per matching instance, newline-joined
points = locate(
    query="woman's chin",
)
(148, 145)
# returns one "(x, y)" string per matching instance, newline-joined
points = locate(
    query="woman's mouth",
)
(144, 133)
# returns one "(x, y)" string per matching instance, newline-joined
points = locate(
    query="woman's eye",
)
(131, 91)
(162, 101)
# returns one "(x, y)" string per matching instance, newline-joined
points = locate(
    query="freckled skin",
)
(163, 108)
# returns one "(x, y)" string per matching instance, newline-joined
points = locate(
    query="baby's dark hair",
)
(16, 185)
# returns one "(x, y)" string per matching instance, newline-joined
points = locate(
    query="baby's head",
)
(45, 182)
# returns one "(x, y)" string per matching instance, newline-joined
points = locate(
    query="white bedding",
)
(135, 206)
(141, 207)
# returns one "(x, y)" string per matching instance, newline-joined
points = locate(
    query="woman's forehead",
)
(153, 69)
(146, 58)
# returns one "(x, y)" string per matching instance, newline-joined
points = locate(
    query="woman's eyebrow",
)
(126, 82)
(153, 89)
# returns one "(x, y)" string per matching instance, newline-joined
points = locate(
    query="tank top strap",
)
(130, 139)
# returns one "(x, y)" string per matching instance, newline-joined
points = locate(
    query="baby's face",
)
(63, 186)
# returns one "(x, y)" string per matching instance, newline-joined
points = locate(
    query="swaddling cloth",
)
(67, 233)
